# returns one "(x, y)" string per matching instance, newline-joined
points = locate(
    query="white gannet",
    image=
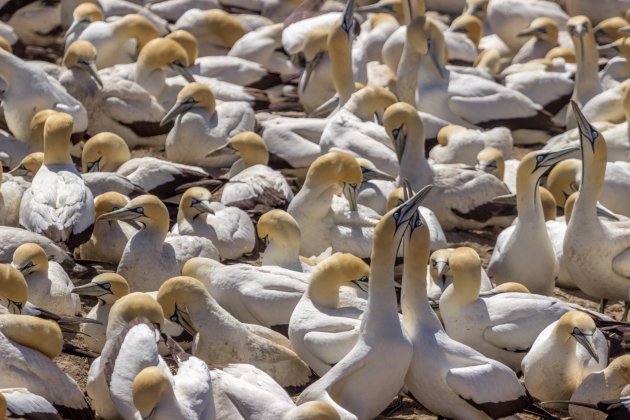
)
(564, 353)
(117, 42)
(133, 331)
(462, 39)
(49, 287)
(457, 144)
(150, 257)
(221, 338)
(607, 30)
(216, 30)
(282, 236)
(503, 326)
(383, 350)
(12, 189)
(352, 130)
(607, 384)
(82, 16)
(107, 288)
(29, 90)
(252, 183)
(108, 152)
(461, 197)
(529, 236)
(201, 125)
(113, 103)
(229, 228)
(544, 36)
(14, 290)
(493, 161)
(601, 271)
(439, 275)
(109, 238)
(587, 84)
(58, 204)
(21, 403)
(28, 346)
(28, 166)
(323, 329)
(11, 238)
(448, 377)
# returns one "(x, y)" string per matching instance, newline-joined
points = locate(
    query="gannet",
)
(82, 16)
(114, 104)
(109, 238)
(215, 29)
(48, 284)
(457, 144)
(28, 166)
(117, 42)
(564, 353)
(28, 346)
(607, 384)
(132, 335)
(377, 29)
(381, 338)
(108, 152)
(493, 161)
(529, 234)
(607, 30)
(351, 129)
(444, 375)
(462, 39)
(282, 236)
(20, 403)
(186, 395)
(58, 204)
(150, 257)
(461, 197)
(601, 271)
(11, 238)
(503, 326)
(439, 275)
(393, 47)
(108, 288)
(243, 391)
(252, 183)
(221, 338)
(229, 228)
(544, 36)
(461, 98)
(29, 90)
(12, 189)
(587, 83)
(202, 125)
(322, 329)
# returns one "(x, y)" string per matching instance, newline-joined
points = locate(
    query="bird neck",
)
(237, 167)
(528, 202)
(322, 290)
(152, 234)
(57, 152)
(282, 255)
(340, 52)
(210, 319)
(407, 74)
(587, 82)
(593, 172)
(150, 78)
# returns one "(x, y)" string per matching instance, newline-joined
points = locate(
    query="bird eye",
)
(174, 318)
(90, 165)
(594, 133)
(194, 201)
(539, 158)
(139, 210)
(396, 215)
(107, 286)
(353, 185)
(418, 223)
(396, 132)
(434, 263)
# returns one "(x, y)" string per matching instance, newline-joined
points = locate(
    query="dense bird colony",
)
(314, 209)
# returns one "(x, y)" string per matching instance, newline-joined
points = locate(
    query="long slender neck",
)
(381, 313)
(528, 203)
(151, 235)
(586, 77)
(413, 164)
(593, 171)
(361, 106)
(283, 255)
(150, 78)
(237, 167)
(407, 75)
(323, 291)
(341, 63)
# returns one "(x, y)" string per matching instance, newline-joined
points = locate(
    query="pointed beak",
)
(527, 32)
(326, 108)
(374, 174)
(91, 289)
(586, 341)
(553, 158)
(509, 199)
(177, 109)
(203, 206)
(91, 68)
(578, 30)
(183, 319)
(120, 214)
(96, 165)
(442, 267)
(608, 50)
(348, 17)
(308, 70)
(76, 25)
(624, 30)
(384, 6)
(225, 150)
(182, 70)
(19, 171)
(586, 131)
(604, 212)
(351, 192)
(362, 284)
(408, 208)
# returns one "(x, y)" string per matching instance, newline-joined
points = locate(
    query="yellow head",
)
(195, 201)
(132, 306)
(511, 287)
(104, 152)
(469, 25)
(36, 333)
(37, 128)
(579, 326)
(163, 52)
(30, 258)
(57, 132)
(175, 295)
(138, 27)
(567, 54)
(29, 165)
(620, 367)
(188, 43)
(562, 180)
(438, 263)
(315, 42)
(607, 29)
(312, 410)
(147, 389)
(278, 226)
(466, 269)
(335, 168)
(491, 160)
(401, 122)
(543, 28)
(569, 204)
(221, 24)
(478, 8)
(548, 203)
(109, 201)
(489, 60)
(579, 27)
(78, 51)
(146, 209)
(250, 147)
(193, 95)
(13, 289)
(108, 287)
(88, 11)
